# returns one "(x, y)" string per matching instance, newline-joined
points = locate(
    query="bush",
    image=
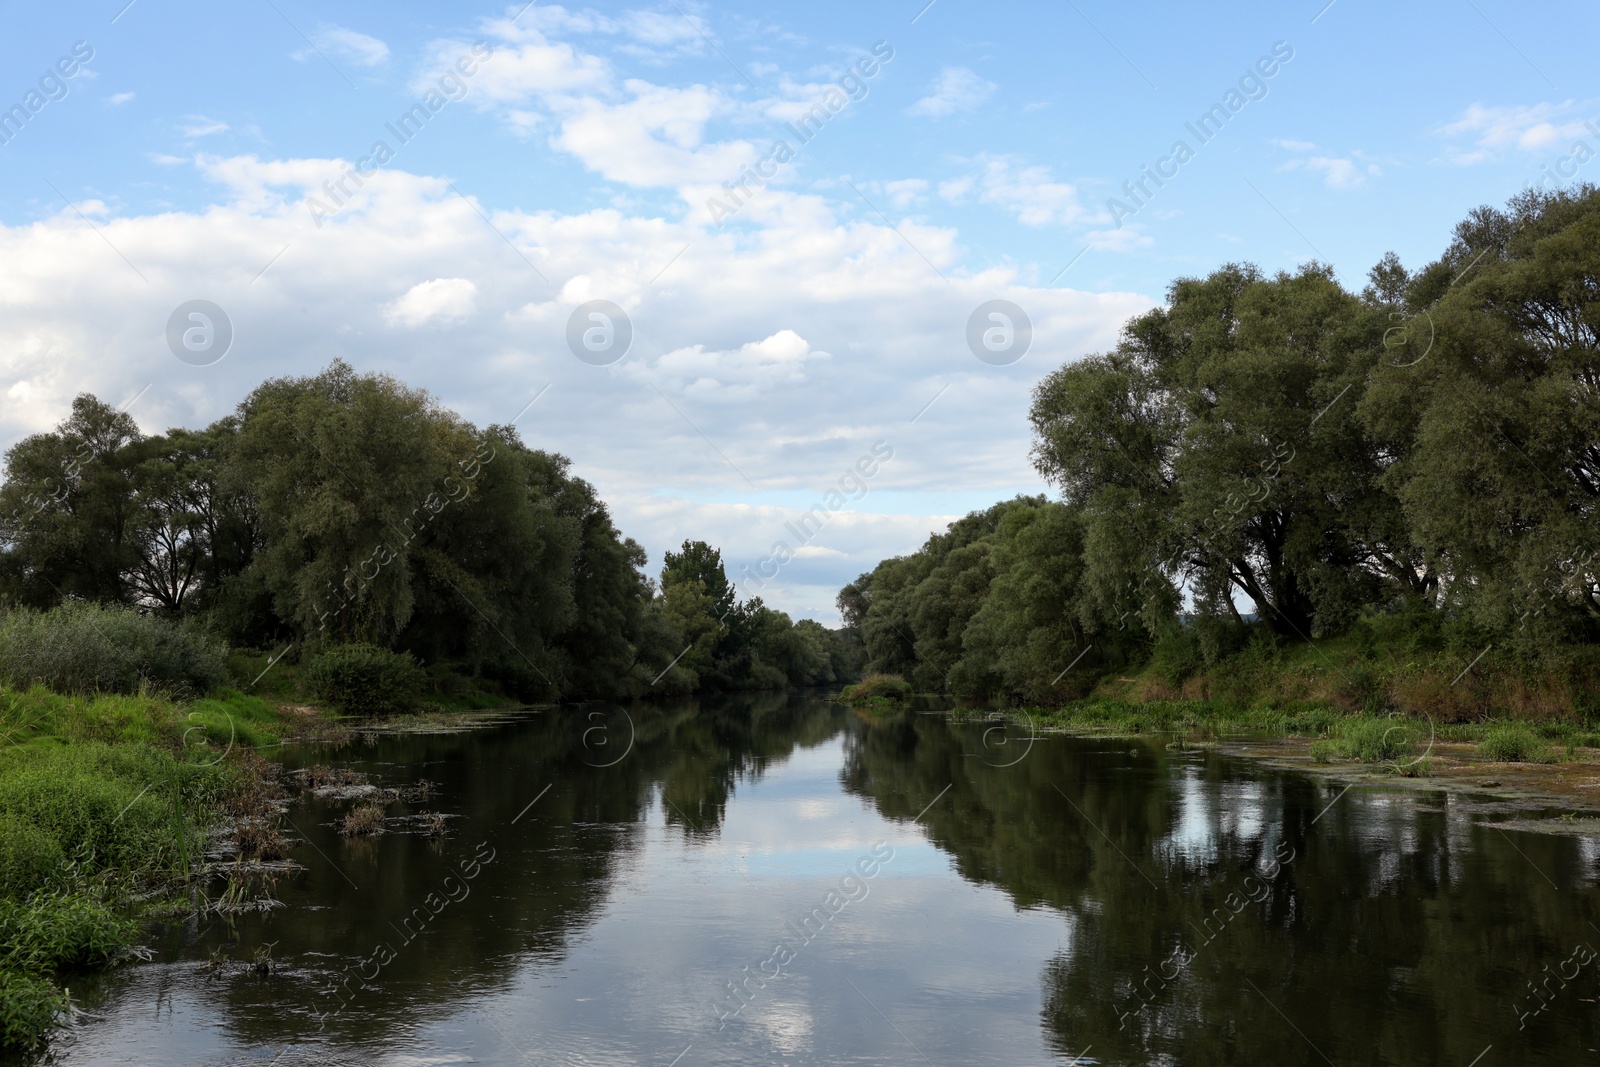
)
(365, 679)
(1513, 742)
(84, 648)
(1186, 647)
(877, 688)
(28, 1008)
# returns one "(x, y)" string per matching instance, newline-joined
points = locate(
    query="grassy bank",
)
(1332, 734)
(1392, 695)
(120, 783)
(106, 802)
(1388, 664)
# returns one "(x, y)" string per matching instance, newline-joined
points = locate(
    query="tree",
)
(1220, 434)
(68, 513)
(1495, 421)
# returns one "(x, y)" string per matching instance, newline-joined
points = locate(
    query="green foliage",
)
(877, 689)
(721, 643)
(994, 607)
(347, 509)
(53, 931)
(82, 648)
(29, 1007)
(41, 937)
(91, 810)
(1318, 453)
(363, 679)
(1375, 740)
(29, 856)
(1512, 361)
(1513, 742)
(102, 807)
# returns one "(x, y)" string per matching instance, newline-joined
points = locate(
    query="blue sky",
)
(773, 346)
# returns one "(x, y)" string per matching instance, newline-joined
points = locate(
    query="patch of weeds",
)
(1417, 768)
(1374, 740)
(363, 820)
(1513, 742)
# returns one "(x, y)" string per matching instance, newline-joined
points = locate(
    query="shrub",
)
(28, 1008)
(877, 688)
(83, 648)
(1513, 742)
(1177, 654)
(365, 679)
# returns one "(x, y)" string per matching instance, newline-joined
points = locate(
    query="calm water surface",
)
(775, 879)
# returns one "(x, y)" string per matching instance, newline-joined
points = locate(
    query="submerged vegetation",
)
(1403, 483)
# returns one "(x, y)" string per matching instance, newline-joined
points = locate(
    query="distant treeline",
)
(350, 509)
(1430, 446)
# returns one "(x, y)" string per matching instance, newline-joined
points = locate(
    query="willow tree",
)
(1218, 448)
(1492, 409)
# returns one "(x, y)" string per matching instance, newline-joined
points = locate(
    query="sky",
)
(729, 258)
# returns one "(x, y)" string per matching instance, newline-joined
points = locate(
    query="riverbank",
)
(106, 806)
(1555, 762)
(117, 810)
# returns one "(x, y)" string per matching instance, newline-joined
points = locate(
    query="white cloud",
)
(339, 43)
(958, 89)
(656, 139)
(783, 350)
(439, 300)
(742, 374)
(1338, 172)
(1528, 128)
(1122, 239)
(904, 193)
(523, 67)
(117, 99)
(200, 126)
(1031, 193)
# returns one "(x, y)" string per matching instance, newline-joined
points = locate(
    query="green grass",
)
(1335, 734)
(104, 800)
(1375, 740)
(1513, 742)
(1418, 665)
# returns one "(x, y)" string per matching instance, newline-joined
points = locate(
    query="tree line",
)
(1428, 446)
(348, 508)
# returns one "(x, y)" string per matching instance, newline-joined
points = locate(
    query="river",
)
(777, 879)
